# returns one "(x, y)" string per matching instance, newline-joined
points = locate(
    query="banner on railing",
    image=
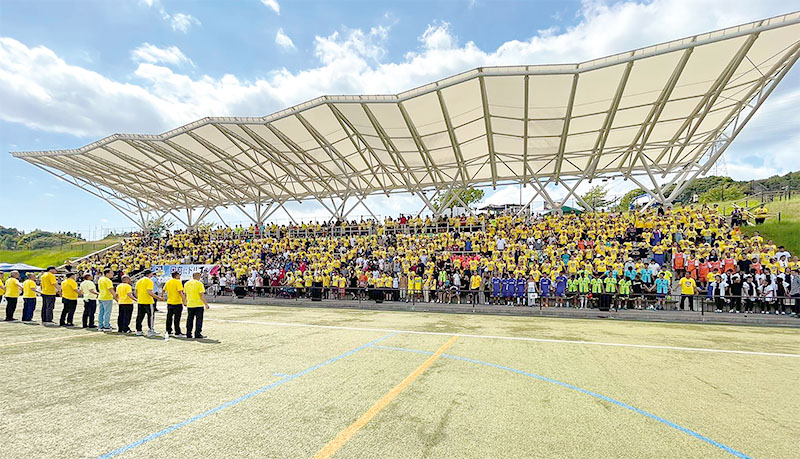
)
(164, 272)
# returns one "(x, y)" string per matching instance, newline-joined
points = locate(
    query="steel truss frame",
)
(339, 150)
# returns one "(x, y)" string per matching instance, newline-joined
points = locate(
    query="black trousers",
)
(142, 311)
(68, 311)
(28, 307)
(48, 303)
(689, 299)
(194, 321)
(89, 308)
(11, 306)
(174, 318)
(124, 318)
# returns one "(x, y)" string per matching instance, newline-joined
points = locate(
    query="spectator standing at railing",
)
(688, 286)
(794, 290)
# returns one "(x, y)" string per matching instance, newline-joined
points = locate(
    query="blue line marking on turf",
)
(583, 391)
(241, 399)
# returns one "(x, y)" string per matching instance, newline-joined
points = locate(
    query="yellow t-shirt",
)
(687, 286)
(12, 288)
(104, 286)
(122, 293)
(173, 287)
(48, 284)
(29, 289)
(142, 286)
(193, 289)
(69, 289)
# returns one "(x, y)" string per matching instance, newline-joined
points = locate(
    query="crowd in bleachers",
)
(611, 260)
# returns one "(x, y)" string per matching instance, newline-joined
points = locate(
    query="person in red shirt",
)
(678, 263)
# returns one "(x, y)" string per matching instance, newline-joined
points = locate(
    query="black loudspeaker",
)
(240, 292)
(316, 291)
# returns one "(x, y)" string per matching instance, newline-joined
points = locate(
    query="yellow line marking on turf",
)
(511, 338)
(41, 340)
(331, 448)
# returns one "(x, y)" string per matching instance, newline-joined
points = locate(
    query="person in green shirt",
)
(624, 293)
(584, 283)
(597, 289)
(572, 290)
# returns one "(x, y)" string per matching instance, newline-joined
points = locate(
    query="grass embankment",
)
(54, 255)
(785, 233)
(789, 209)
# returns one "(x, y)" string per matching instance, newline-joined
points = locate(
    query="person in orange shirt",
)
(69, 300)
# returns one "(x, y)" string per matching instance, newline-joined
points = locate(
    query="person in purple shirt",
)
(509, 285)
(561, 289)
(497, 284)
(544, 290)
(522, 288)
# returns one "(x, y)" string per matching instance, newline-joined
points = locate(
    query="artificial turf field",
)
(298, 382)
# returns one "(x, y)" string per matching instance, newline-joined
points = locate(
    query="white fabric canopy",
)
(653, 111)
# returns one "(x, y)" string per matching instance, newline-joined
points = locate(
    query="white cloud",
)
(182, 22)
(273, 5)
(154, 55)
(41, 90)
(283, 40)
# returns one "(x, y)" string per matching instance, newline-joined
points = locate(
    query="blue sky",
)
(74, 72)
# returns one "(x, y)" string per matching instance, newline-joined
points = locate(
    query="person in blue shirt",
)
(662, 290)
(544, 290)
(522, 288)
(561, 289)
(647, 275)
(509, 286)
(497, 284)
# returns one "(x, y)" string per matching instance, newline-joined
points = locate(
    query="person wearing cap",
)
(195, 306)
(89, 292)
(125, 299)
(12, 295)
(28, 298)
(69, 300)
(105, 300)
(145, 300)
(176, 300)
(49, 289)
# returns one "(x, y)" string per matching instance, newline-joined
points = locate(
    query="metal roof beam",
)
(423, 149)
(489, 134)
(565, 132)
(453, 140)
(351, 132)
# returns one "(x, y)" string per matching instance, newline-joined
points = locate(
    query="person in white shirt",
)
(89, 293)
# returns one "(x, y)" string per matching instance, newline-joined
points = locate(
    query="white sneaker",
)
(138, 333)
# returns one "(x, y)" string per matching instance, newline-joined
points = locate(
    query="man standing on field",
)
(195, 305)
(176, 300)
(145, 299)
(89, 292)
(105, 300)
(12, 295)
(28, 298)
(49, 289)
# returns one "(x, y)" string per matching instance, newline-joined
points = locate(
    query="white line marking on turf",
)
(512, 338)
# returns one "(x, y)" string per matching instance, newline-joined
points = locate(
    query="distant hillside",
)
(716, 188)
(14, 239)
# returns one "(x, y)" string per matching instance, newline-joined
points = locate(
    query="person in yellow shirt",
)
(125, 299)
(28, 298)
(105, 300)
(195, 306)
(145, 300)
(69, 300)
(176, 300)
(49, 289)
(89, 293)
(12, 295)
(688, 286)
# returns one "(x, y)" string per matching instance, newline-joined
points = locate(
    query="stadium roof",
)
(666, 109)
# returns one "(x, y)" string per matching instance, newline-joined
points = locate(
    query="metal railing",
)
(701, 304)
